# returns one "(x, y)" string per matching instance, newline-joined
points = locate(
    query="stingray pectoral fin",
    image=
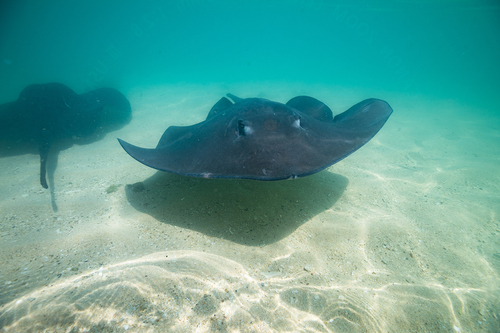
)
(236, 99)
(355, 127)
(312, 107)
(219, 107)
(151, 157)
(370, 113)
(173, 134)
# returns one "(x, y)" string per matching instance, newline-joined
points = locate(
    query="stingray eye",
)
(241, 128)
(296, 122)
(244, 129)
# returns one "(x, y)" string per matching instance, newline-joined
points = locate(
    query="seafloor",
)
(401, 236)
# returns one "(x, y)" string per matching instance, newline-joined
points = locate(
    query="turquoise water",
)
(443, 49)
(401, 236)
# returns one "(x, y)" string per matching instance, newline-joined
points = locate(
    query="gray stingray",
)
(255, 138)
(51, 114)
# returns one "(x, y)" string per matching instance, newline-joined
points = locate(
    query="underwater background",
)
(446, 49)
(402, 236)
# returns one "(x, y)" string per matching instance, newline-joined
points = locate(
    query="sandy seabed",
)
(401, 236)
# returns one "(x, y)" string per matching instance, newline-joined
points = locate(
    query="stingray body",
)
(51, 114)
(259, 139)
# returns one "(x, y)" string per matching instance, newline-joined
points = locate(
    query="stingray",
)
(51, 114)
(259, 139)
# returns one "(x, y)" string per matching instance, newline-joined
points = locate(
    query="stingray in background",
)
(48, 115)
(259, 139)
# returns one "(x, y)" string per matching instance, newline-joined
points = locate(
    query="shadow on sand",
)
(247, 212)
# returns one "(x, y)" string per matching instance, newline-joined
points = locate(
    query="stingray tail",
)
(44, 154)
